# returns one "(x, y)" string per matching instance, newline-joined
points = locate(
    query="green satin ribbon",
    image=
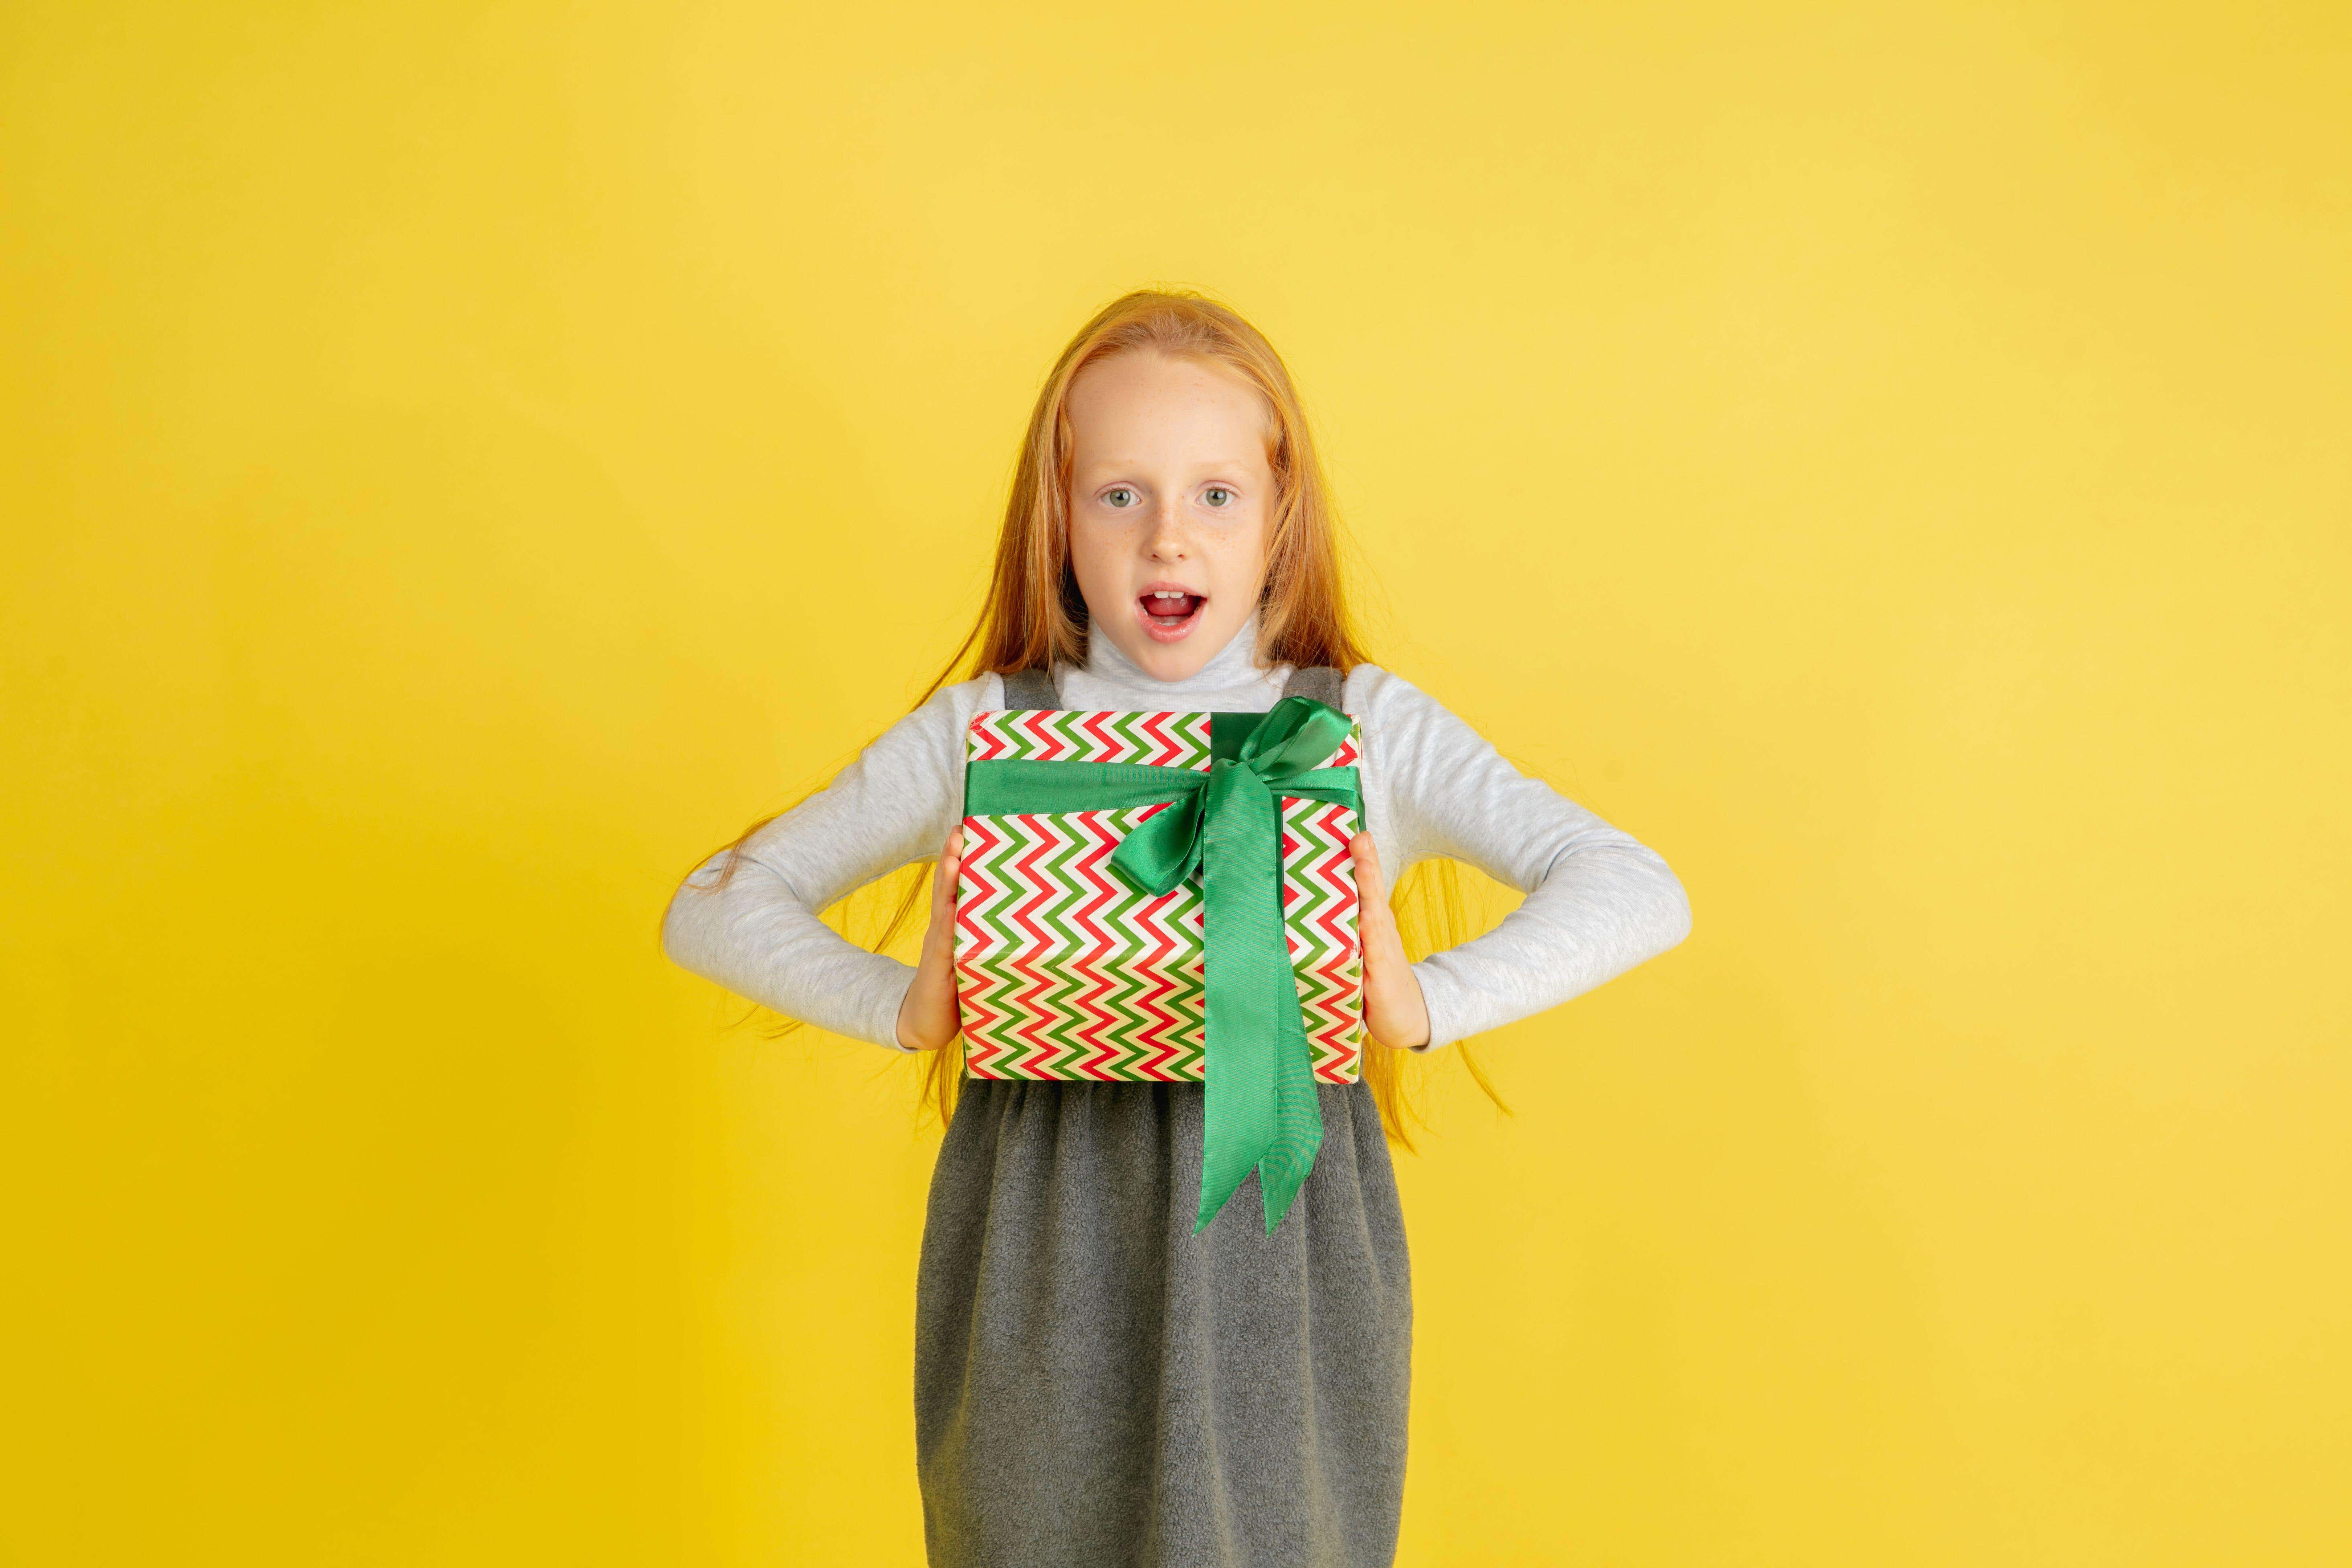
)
(1261, 1111)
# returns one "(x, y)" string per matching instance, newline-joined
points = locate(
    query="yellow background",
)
(461, 463)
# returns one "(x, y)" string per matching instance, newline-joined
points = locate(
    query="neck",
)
(1231, 679)
(1233, 663)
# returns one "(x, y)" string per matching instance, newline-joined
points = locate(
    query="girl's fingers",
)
(1375, 922)
(1395, 1014)
(1371, 886)
(928, 1016)
(943, 882)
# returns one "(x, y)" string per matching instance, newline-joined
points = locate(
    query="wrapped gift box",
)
(1066, 969)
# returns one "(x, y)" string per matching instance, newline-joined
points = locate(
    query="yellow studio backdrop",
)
(461, 463)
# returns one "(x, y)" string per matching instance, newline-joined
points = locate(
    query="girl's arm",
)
(1597, 903)
(760, 936)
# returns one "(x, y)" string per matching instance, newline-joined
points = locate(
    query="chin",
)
(1168, 663)
(1175, 660)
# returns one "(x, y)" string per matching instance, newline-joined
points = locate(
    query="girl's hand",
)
(927, 1019)
(1395, 1011)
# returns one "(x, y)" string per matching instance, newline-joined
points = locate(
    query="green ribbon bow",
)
(1261, 1111)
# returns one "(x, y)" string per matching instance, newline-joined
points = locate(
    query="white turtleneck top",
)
(1597, 902)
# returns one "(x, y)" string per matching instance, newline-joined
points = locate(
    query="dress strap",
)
(1031, 688)
(1319, 681)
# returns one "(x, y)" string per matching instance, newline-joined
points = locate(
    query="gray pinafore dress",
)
(1098, 1387)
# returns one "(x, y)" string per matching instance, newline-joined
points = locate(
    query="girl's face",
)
(1169, 498)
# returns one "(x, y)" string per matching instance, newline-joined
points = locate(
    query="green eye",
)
(1217, 495)
(1119, 495)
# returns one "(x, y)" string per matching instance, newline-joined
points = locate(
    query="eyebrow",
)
(1220, 464)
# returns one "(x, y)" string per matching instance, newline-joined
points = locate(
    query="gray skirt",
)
(1098, 1387)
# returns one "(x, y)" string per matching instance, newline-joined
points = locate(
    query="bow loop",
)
(1167, 847)
(1297, 733)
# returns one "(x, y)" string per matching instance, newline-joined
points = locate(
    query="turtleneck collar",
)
(1231, 681)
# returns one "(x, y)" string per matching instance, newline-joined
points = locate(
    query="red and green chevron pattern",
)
(1319, 899)
(1065, 971)
(1070, 735)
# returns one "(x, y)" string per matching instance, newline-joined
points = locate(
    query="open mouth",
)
(1171, 612)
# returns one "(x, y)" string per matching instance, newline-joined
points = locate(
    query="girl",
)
(1094, 1384)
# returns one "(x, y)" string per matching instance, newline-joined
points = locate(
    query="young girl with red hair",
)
(1095, 1383)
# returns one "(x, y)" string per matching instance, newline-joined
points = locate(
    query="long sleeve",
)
(760, 936)
(1598, 902)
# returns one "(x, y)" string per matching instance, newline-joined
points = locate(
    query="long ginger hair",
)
(1034, 616)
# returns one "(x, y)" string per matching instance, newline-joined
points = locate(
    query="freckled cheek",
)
(1244, 554)
(1236, 560)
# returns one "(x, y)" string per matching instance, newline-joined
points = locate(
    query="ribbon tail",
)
(1225, 1157)
(1297, 1113)
(1241, 907)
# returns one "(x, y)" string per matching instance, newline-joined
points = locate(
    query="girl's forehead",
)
(1143, 396)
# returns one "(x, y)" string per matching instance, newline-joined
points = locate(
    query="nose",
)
(1167, 540)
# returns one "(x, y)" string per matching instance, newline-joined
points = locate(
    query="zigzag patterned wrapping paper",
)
(1064, 970)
